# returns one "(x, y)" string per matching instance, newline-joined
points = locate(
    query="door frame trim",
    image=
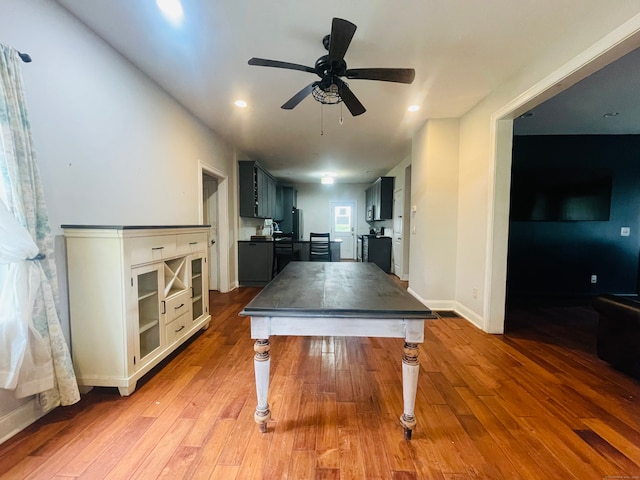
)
(224, 278)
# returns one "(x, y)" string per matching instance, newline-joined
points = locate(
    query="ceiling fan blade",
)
(342, 32)
(349, 99)
(298, 97)
(399, 75)
(263, 62)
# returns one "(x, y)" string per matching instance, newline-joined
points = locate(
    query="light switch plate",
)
(625, 231)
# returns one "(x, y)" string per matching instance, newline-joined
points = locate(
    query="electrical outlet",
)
(625, 231)
(475, 293)
(594, 278)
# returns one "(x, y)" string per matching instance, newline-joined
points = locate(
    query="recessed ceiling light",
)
(172, 10)
(240, 103)
(611, 114)
(414, 108)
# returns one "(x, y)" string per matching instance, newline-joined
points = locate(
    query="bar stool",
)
(319, 247)
(283, 252)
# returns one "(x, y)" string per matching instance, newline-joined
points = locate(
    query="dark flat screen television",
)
(560, 195)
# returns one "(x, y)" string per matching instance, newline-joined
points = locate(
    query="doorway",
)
(214, 210)
(343, 216)
(210, 217)
(398, 232)
(604, 52)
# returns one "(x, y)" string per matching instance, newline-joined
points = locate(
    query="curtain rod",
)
(25, 57)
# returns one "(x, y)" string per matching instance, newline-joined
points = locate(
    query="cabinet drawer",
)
(177, 306)
(191, 243)
(177, 328)
(148, 249)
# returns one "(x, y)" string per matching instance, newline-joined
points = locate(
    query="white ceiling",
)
(461, 50)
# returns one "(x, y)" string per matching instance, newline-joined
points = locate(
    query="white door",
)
(210, 214)
(343, 215)
(398, 222)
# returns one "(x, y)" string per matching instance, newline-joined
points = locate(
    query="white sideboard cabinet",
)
(135, 295)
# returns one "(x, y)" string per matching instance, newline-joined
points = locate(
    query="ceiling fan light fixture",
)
(328, 96)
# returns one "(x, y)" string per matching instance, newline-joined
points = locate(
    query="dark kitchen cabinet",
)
(257, 190)
(377, 250)
(255, 263)
(379, 199)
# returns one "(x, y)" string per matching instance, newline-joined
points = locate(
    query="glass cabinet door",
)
(148, 291)
(199, 289)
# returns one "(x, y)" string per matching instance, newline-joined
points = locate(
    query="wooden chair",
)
(319, 247)
(283, 251)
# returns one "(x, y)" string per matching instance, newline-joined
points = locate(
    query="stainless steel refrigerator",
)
(298, 232)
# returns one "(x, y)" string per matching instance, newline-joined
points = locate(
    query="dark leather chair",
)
(319, 247)
(283, 251)
(618, 337)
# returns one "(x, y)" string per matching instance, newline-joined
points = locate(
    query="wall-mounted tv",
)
(560, 195)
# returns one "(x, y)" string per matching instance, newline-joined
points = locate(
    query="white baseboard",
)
(433, 304)
(19, 419)
(457, 307)
(469, 315)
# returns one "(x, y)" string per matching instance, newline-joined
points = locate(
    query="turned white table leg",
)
(261, 364)
(410, 368)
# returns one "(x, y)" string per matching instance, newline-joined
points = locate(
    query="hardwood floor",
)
(526, 405)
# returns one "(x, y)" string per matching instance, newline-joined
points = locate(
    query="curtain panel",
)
(34, 356)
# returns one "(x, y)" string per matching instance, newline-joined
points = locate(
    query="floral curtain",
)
(34, 357)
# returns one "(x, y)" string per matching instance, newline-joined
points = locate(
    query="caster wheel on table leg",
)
(407, 433)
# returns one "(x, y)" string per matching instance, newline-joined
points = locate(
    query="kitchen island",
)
(255, 259)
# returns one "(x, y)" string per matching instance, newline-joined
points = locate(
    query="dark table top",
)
(335, 289)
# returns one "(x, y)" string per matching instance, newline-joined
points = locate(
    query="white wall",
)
(314, 199)
(112, 147)
(434, 192)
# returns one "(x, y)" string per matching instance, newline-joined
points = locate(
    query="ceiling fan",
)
(331, 88)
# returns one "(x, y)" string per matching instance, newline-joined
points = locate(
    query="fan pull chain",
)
(341, 119)
(321, 119)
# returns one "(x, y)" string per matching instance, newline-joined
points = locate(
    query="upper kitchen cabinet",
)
(379, 199)
(257, 190)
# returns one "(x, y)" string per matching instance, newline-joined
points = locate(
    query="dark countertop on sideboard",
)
(130, 227)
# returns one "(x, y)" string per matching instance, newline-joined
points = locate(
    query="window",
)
(342, 219)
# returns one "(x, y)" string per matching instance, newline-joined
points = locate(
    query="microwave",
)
(370, 213)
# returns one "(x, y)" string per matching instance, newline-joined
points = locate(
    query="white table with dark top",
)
(336, 299)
